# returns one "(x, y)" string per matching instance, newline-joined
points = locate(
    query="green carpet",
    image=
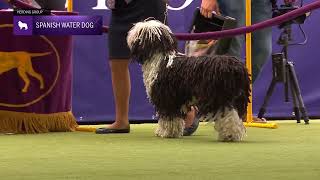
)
(288, 153)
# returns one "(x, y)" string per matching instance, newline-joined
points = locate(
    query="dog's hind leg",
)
(170, 127)
(229, 125)
(22, 73)
(36, 75)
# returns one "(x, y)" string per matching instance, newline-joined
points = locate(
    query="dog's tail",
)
(39, 54)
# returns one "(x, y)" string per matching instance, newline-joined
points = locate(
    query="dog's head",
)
(148, 38)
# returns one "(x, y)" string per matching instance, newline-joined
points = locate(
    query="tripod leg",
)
(297, 91)
(266, 99)
(286, 87)
(294, 99)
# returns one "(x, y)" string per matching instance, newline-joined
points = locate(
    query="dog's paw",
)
(230, 138)
(167, 134)
(170, 128)
(24, 90)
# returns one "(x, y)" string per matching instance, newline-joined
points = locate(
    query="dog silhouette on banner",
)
(23, 25)
(21, 60)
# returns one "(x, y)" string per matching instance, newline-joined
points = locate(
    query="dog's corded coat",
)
(174, 82)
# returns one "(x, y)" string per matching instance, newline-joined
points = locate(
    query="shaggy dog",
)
(219, 86)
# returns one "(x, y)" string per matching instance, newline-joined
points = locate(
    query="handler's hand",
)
(207, 6)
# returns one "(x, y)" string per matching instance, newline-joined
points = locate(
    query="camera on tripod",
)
(279, 67)
(283, 69)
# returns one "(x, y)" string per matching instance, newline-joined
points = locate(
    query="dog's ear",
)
(165, 42)
(137, 52)
(143, 49)
(148, 38)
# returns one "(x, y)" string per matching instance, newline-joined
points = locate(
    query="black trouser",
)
(52, 4)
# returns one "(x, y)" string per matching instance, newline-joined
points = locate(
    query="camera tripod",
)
(284, 72)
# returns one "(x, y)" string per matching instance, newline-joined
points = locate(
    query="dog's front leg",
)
(170, 127)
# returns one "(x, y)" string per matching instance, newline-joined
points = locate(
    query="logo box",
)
(58, 25)
(23, 25)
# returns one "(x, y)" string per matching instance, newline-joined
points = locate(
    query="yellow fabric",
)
(21, 60)
(30, 123)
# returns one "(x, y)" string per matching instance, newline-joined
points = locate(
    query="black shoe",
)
(194, 126)
(111, 131)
